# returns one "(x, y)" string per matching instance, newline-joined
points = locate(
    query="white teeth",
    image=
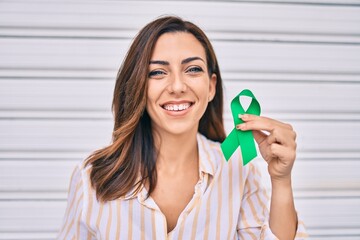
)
(177, 107)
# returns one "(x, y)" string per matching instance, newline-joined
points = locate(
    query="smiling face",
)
(179, 86)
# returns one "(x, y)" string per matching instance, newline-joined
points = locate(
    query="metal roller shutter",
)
(58, 62)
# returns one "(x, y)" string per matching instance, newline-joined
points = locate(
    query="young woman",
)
(164, 175)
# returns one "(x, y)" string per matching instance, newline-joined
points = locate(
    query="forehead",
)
(177, 45)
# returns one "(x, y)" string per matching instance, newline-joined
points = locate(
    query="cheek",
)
(151, 91)
(202, 89)
(153, 94)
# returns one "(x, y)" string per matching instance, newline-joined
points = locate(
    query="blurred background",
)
(58, 63)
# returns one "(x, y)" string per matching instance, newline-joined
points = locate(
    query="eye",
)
(156, 73)
(194, 70)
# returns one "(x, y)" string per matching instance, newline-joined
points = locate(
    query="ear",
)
(212, 87)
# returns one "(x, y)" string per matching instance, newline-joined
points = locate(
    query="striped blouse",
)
(228, 203)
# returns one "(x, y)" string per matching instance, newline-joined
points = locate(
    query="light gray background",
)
(59, 59)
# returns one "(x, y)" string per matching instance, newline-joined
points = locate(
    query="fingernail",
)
(240, 126)
(241, 116)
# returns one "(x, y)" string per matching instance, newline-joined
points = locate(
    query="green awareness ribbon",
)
(244, 139)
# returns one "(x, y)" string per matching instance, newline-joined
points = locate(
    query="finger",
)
(260, 122)
(282, 136)
(283, 153)
(253, 122)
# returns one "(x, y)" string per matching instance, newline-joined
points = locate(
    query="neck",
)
(176, 152)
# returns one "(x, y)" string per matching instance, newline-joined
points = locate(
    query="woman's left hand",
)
(277, 147)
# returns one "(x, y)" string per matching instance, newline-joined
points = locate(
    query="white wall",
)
(58, 62)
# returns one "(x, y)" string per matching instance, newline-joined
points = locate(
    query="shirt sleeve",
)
(253, 222)
(72, 228)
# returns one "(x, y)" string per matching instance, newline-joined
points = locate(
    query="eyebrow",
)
(186, 60)
(159, 62)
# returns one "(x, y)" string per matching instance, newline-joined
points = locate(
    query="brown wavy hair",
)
(129, 161)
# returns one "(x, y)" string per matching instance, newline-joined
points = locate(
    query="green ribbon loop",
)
(244, 139)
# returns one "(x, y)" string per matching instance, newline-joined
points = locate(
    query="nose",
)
(177, 84)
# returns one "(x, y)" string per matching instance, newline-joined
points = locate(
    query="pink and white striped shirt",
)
(228, 203)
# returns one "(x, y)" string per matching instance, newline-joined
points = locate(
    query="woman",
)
(164, 175)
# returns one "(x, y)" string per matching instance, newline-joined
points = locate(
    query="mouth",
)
(177, 107)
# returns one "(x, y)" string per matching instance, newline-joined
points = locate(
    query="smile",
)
(176, 107)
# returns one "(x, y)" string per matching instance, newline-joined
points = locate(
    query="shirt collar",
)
(205, 155)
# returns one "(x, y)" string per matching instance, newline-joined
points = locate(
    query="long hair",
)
(129, 161)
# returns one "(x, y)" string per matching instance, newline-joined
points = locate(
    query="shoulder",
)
(76, 176)
(79, 170)
(81, 182)
(80, 178)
